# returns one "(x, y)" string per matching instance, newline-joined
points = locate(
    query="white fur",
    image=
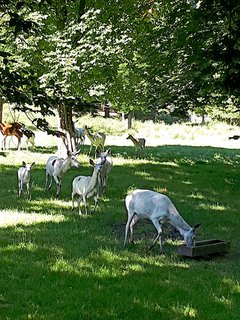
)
(158, 208)
(87, 187)
(105, 170)
(24, 178)
(56, 167)
(80, 135)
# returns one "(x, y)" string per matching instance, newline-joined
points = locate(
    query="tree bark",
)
(1, 108)
(67, 126)
(130, 115)
(81, 8)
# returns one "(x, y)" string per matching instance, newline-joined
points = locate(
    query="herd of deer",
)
(140, 204)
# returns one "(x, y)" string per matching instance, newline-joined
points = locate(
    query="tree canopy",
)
(149, 55)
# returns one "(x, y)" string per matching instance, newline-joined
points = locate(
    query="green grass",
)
(56, 265)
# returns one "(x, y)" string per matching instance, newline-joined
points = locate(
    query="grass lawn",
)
(57, 265)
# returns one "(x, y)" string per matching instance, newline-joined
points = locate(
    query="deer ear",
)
(69, 153)
(77, 152)
(32, 164)
(24, 164)
(196, 226)
(91, 162)
(108, 151)
(98, 153)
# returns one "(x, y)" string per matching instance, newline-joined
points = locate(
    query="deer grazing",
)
(97, 139)
(138, 143)
(24, 178)
(158, 208)
(105, 170)
(87, 186)
(56, 167)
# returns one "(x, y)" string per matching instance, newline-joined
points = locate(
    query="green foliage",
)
(152, 56)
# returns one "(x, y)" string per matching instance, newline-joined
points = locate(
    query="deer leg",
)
(58, 183)
(19, 188)
(90, 150)
(28, 190)
(85, 204)
(19, 143)
(158, 226)
(79, 205)
(46, 183)
(131, 216)
(4, 142)
(95, 203)
(73, 194)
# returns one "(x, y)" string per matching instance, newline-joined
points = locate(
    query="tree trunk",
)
(67, 126)
(81, 9)
(1, 108)
(61, 11)
(130, 115)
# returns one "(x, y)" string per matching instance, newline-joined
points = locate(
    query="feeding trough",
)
(204, 248)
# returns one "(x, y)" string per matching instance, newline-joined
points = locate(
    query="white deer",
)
(24, 178)
(80, 135)
(87, 186)
(138, 143)
(158, 208)
(97, 139)
(56, 167)
(105, 170)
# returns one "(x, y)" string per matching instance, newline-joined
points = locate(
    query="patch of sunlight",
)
(144, 174)
(196, 195)
(24, 244)
(223, 300)
(52, 202)
(214, 206)
(186, 311)
(63, 265)
(14, 217)
(186, 182)
(150, 305)
(170, 164)
(233, 285)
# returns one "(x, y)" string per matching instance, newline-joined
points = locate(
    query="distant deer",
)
(80, 135)
(139, 143)
(56, 167)
(97, 139)
(18, 130)
(11, 129)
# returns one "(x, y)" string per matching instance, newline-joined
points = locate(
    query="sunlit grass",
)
(57, 265)
(14, 217)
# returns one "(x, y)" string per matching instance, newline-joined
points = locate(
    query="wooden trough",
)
(204, 248)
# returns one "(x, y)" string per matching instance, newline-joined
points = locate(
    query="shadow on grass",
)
(71, 267)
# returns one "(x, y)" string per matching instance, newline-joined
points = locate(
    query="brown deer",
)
(138, 143)
(11, 129)
(97, 139)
